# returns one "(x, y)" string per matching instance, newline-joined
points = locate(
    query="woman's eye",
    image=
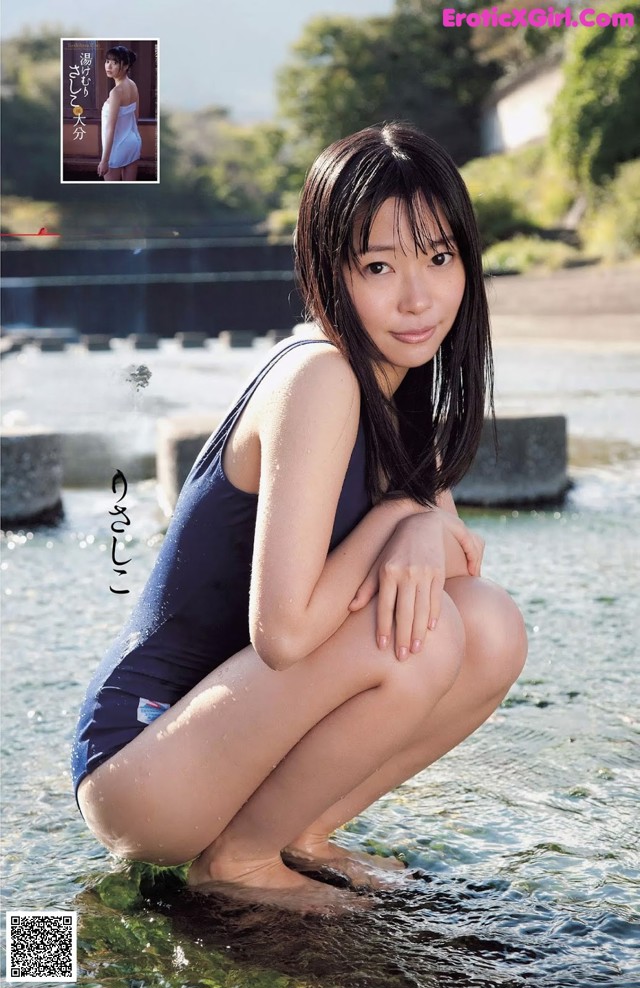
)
(441, 259)
(376, 267)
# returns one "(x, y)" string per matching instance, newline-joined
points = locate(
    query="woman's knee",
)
(425, 677)
(495, 631)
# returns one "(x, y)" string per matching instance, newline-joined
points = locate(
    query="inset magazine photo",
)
(109, 116)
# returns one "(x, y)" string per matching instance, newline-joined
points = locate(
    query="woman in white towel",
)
(121, 141)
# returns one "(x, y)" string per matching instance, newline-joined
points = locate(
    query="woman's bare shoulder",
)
(315, 359)
(311, 377)
(125, 94)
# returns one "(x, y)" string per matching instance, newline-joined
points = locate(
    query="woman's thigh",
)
(113, 175)
(130, 172)
(180, 782)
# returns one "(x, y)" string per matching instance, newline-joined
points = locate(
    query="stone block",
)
(50, 344)
(531, 463)
(143, 341)
(237, 337)
(179, 440)
(31, 476)
(191, 340)
(97, 341)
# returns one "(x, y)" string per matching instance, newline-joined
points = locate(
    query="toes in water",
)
(360, 869)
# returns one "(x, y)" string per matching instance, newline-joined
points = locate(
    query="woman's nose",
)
(416, 294)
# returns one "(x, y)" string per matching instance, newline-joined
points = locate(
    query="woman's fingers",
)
(422, 611)
(408, 607)
(366, 591)
(410, 588)
(481, 544)
(387, 594)
(405, 613)
(471, 544)
(435, 600)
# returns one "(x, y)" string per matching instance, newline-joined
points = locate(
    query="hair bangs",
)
(415, 200)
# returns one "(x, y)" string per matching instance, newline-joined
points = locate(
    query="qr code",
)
(42, 946)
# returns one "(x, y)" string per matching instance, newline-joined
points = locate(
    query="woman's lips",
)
(417, 336)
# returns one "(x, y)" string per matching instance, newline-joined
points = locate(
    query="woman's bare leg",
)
(337, 754)
(113, 175)
(216, 761)
(496, 648)
(130, 172)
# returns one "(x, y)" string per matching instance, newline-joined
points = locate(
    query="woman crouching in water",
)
(316, 630)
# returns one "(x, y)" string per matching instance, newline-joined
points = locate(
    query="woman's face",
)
(113, 68)
(406, 300)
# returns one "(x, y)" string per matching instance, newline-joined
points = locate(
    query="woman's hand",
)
(409, 575)
(103, 167)
(471, 544)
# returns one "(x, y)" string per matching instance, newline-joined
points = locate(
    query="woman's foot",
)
(361, 869)
(270, 883)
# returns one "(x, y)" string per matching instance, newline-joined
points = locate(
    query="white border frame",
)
(72, 181)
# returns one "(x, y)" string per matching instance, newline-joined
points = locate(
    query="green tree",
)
(30, 115)
(244, 169)
(252, 168)
(345, 74)
(596, 117)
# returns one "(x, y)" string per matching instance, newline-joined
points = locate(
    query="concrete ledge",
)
(9, 345)
(191, 340)
(237, 337)
(100, 341)
(50, 344)
(143, 341)
(179, 440)
(31, 476)
(45, 333)
(531, 467)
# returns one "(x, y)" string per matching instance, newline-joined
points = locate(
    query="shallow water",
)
(524, 839)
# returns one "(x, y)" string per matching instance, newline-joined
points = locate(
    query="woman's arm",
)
(113, 107)
(299, 594)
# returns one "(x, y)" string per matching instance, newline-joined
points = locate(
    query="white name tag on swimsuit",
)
(149, 710)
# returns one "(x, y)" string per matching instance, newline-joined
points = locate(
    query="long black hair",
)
(439, 406)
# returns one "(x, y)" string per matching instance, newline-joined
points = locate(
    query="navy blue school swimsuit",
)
(193, 613)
